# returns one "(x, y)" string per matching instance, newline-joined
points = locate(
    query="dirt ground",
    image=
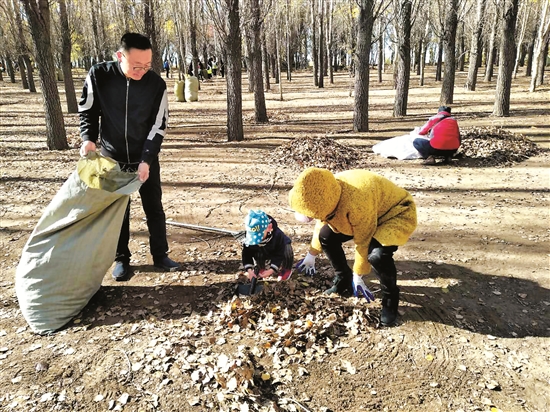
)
(474, 326)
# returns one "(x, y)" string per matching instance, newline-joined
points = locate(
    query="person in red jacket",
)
(443, 137)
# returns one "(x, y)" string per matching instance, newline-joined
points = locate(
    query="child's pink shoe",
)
(285, 274)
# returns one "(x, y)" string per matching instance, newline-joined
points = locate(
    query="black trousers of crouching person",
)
(151, 199)
(380, 257)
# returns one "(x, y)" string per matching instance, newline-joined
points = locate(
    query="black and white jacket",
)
(134, 113)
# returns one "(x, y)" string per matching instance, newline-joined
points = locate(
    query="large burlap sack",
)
(73, 244)
(191, 88)
(179, 91)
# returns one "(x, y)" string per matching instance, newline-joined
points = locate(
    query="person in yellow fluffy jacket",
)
(362, 206)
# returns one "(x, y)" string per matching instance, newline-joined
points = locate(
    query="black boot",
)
(390, 302)
(341, 285)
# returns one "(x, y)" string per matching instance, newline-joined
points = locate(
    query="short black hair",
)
(444, 109)
(134, 41)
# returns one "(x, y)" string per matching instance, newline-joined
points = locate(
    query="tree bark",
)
(439, 64)
(404, 61)
(72, 105)
(361, 89)
(321, 83)
(451, 21)
(193, 38)
(255, 27)
(38, 13)
(288, 52)
(526, 12)
(475, 47)
(23, 72)
(9, 68)
(330, 51)
(491, 47)
(30, 71)
(314, 49)
(151, 32)
(461, 49)
(380, 49)
(530, 52)
(539, 54)
(265, 58)
(235, 131)
(424, 52)
(506, 59)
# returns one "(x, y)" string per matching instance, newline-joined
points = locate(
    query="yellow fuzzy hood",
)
(315, 194)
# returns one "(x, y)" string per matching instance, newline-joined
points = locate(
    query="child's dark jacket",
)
(272, 248)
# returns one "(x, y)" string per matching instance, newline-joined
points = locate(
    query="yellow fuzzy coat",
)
(356, 203)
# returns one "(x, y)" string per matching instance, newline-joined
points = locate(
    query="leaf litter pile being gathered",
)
(494, 146)
(272, 337)
(481, 146)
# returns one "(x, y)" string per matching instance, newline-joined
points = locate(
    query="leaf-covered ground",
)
(474, 325)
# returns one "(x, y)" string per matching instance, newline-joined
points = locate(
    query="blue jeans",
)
(425, 149)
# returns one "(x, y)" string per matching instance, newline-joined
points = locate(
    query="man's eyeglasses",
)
(138, 68)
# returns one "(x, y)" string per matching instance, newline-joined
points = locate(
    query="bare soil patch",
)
(474, 325)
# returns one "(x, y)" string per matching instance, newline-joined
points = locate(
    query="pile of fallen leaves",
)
(275, 335)
(494, 146)
(322, 152)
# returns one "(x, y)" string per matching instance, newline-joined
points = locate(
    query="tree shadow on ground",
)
(449, 294)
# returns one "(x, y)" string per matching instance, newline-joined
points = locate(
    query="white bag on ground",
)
(400, 147)
(73, 244)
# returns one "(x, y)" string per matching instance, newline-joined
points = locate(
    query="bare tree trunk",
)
(330, 52)
(461, 49)
(9, 68)
(235, 131)
(321, 43)
(380, 48)
(439, 65)
(38, 13)
(72, 105)
(530, 52)
(490, 49)
(23, 72)
(424, 52)
(288, 52)
(30, 70)
(403, 12)
(451, 21)
(151, 32)
(95, 30)
(539, 54)
(314, 49)
(265, 59)
(279, 69)
(361, 90)
(418, 56)
(526, 12)
(506, 59)
(254, 31)
(475, 47)
(193, 38)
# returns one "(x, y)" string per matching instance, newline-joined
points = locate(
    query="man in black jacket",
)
(132, 103)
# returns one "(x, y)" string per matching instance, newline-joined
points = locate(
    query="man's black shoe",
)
(167, 264)
(121, 272)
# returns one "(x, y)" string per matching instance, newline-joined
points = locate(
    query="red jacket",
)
(443, 130)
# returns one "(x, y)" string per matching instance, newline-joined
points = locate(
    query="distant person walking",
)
(167, 68)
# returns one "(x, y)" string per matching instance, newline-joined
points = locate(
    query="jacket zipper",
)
(126, 121)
